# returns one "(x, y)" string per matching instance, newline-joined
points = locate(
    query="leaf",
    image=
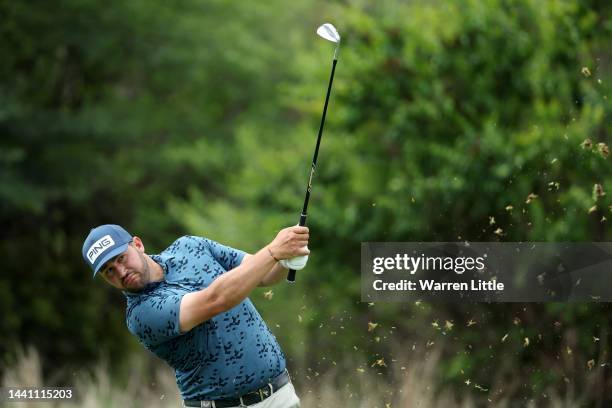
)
(598, 191)
(586, 71)
(379, 363)
(590, 364)
(481, 388)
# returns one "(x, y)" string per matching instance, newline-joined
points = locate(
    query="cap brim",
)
(107, 257)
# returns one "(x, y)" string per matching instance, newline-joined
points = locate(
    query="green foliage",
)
(445, 120)
(110, 114)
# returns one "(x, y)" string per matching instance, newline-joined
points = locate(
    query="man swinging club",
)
(188, 305)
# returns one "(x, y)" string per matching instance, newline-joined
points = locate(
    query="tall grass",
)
(150, 383)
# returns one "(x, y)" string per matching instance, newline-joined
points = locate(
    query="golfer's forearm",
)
(274, 276)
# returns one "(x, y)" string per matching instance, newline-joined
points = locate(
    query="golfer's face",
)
(127, 271)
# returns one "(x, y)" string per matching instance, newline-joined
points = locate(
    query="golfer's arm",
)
(275, 275)
(225, 292)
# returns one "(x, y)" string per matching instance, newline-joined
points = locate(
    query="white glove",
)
(297, 263)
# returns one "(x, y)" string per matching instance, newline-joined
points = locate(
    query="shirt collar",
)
(163, 260)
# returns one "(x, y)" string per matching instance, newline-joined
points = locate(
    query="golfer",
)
(188, 305)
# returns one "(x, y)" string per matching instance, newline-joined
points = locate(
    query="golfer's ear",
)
(137, 242)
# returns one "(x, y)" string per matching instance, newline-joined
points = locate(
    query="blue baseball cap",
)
(104, 243)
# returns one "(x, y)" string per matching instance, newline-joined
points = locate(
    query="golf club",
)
(329, 33)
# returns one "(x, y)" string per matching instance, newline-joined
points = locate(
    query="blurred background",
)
(448, 121)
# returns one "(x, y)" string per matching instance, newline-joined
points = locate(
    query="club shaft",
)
(304, 214)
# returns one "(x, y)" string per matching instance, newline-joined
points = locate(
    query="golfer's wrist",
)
(272, 253)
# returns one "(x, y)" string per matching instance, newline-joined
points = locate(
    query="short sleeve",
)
(227, 256)
(155, 319)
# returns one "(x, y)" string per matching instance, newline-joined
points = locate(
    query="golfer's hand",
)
(290, 242)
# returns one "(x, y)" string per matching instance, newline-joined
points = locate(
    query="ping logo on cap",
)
(98, 247)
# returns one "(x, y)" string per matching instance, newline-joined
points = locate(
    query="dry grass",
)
(97, 389)
(367, 389)
(151, 384)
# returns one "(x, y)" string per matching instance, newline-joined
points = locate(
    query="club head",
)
(329, 32)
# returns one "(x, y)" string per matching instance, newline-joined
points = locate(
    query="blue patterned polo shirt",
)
(228, 355)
